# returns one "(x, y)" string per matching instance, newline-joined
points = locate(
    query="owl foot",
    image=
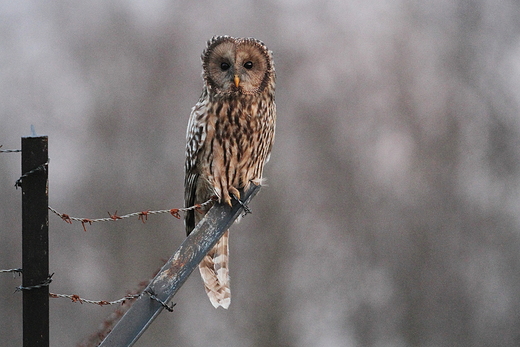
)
(232, 192)
(246, 208)
(235, 192)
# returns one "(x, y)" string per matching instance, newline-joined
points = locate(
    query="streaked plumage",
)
(229, 139)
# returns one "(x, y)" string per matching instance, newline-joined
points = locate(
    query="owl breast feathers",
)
(229, 138)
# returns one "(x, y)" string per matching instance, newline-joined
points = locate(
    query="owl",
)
(229, 139)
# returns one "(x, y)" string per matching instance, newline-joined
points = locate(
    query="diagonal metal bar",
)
(175, 272)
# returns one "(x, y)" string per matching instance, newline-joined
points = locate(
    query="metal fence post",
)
(35, 241)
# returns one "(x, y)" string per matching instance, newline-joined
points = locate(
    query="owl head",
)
(234, 66)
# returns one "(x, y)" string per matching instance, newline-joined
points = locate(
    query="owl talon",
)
(235, 192)
(246, 208)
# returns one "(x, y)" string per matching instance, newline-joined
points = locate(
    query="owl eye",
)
(248, 65)
(224, 66)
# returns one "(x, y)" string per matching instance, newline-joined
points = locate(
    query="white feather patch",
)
(215, 273)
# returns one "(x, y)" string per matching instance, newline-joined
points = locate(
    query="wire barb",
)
(175, 212)
(114, 216)
(143, 216)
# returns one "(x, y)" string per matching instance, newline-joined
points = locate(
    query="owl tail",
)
(215, 273)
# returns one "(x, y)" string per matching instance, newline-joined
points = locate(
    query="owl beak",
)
(236, 80)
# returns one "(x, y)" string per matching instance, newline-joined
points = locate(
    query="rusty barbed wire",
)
(142, 216)
(77, 298)
(72, 297)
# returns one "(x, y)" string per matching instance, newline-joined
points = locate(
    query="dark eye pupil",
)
(224, 66)
(248, 65)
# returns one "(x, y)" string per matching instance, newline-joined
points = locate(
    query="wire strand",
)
(142, 216)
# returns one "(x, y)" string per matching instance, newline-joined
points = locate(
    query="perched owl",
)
(229, 139)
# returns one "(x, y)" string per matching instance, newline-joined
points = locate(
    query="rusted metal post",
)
(175, 272)
(35, 241)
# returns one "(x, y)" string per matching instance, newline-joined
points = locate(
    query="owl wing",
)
(195, 137)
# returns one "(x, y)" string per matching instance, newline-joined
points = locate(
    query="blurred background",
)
(391, 214)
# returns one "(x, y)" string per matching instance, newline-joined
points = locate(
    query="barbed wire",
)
(41, 167)
(14, 271)
(45, 283)
(73, 297)
(142, 216)
(77, 298)
(9, 150)
(152, 295)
